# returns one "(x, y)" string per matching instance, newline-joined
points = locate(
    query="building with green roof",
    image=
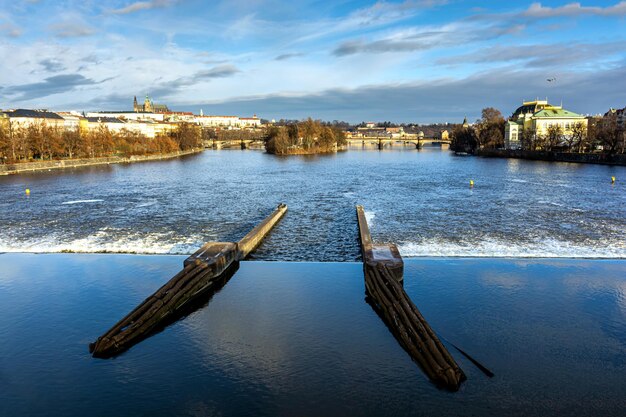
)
(538, 116)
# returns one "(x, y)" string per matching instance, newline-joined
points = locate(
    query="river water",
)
(298, 339)
(420, 200)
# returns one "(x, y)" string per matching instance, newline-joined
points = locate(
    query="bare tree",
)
(553, 138)
(578, 137)
(528, 138)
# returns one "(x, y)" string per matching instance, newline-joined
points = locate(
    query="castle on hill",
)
(149, 107)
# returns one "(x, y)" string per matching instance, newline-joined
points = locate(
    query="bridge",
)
(383, 141)
(380, 142)
(234, 143)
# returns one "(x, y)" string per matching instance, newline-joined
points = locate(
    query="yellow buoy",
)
(28, 191)
(612, 180)
(471, 183)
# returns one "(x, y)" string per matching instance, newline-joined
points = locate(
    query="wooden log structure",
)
(387, 296)
(253, 239)
(203, 272)
(384, 254)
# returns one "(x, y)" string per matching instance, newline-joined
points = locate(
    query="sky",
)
(420, 61)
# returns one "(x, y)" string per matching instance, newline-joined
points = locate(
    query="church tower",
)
(135, 105)
(147, 105)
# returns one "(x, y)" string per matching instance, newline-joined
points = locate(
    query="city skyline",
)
(414, 61)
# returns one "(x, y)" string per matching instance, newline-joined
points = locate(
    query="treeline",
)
(40, 141)
(309, 136)
(600, 134)
(488, 132)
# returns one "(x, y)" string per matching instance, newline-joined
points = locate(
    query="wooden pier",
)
(383, 269)
(203, 272)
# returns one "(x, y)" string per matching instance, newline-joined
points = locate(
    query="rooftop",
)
(40, 114)
(555, 112)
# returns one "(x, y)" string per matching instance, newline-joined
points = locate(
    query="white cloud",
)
(574, 9)
(142, 5)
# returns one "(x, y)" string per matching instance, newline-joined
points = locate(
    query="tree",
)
(609, 135)
(103, 143)
(528, 139)
(553, 137)
(187, 136)
(310, 132)
(327, 139)
(293, 133)
(464, 139)
(277, 140)
(491, 128)
(578, 138)
(37, 138)
(340, 136)
(5, 146)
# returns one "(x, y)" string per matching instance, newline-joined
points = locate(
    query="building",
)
(5, 122)
(125, 115)
(229, 122)
(112, 124)
(395, 132)
(179, 116)
(148, 106)
(252, 122)
(537, 117)
(444, 135)
(22, 118)
(619, 114)
(72, 119)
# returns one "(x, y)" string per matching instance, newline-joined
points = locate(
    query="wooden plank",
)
(210, 264)
(387, 254)
(383, 270)
(253, 239)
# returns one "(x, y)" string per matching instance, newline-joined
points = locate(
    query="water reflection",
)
(297, 339)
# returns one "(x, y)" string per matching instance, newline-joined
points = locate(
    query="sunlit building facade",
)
(538, 116)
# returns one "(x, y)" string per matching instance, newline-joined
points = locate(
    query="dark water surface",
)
(418, 199)
(298, 339)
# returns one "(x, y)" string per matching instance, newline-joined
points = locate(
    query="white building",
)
(22, 118)
(72, 119)
(538, 116)
(228, 121)
(158, 117)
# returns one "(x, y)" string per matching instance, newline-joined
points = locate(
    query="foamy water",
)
(419, 200)
(547, 248)
(103, 242)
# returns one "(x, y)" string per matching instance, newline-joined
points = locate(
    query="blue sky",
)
(405, 61)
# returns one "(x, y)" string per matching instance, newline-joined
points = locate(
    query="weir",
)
(383, 269)
(203, 273)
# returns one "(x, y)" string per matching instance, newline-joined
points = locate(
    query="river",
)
(418, 199)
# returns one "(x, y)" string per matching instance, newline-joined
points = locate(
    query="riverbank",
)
(583, 158)
(286, 338)
(309, 151)
(10, 169)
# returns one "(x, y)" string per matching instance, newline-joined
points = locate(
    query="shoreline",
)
(579, 158)
(22, 167)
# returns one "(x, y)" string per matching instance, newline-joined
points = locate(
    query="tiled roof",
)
(40, 114)
(555, 112)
